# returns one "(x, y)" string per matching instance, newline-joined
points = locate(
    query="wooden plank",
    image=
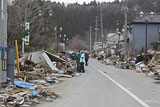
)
(62, 75)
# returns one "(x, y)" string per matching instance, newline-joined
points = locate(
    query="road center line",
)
(150, 101)
(124, 89)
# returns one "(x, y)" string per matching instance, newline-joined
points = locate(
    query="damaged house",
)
(145, 32)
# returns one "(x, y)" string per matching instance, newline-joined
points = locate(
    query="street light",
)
(40, 13)
(141, 14)
(61, 29)
(65, 39)
(57, 37)
(50, 13)
(152, 15)
(119, 34)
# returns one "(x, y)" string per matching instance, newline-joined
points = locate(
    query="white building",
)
(114, 42)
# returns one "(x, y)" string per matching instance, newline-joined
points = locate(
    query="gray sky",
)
(80, 1)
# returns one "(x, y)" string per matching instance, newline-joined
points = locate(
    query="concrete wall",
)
(139, 33)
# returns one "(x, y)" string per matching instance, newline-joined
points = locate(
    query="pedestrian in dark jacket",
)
(77, 57)
(86, 58)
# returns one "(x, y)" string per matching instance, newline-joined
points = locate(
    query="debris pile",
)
(153, 68)
(120, 62)
(148, 63)
(38, 72)
(127, 62)
(26, 94)
(154, 64)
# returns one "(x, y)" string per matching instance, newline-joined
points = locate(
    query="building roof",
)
(111, 35)
(112, 38)
(147, 17)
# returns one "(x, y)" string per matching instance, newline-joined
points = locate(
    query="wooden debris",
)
(62, 75)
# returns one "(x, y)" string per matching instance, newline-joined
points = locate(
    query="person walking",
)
(86, 58)
(82, 62)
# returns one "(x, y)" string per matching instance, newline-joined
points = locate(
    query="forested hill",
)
(75, 19)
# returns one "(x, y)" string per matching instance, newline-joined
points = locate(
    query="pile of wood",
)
(42, 69)
(154, 64)
(17, 97)
(34, 69)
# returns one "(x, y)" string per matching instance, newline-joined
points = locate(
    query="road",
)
(107, 86)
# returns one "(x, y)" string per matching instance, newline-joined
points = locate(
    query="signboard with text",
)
(27, 39)
(27, 27)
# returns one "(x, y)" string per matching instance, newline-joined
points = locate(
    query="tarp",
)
(23, 84)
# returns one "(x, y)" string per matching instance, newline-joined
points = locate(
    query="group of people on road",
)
(81, 60)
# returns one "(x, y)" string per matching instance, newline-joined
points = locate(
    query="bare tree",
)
(21, 11)
(78, 44)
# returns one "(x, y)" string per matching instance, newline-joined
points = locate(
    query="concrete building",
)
(146, 25)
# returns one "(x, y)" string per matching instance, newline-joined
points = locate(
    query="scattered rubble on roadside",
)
(38, 71)
(142, 63)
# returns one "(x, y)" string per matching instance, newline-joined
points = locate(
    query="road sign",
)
(27, 39)
(27, 25)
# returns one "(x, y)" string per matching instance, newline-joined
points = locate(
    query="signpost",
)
(27, 27)
(27, 39)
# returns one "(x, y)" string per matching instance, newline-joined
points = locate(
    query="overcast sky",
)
(80, 1)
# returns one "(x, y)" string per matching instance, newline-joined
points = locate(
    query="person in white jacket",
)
(82, 62)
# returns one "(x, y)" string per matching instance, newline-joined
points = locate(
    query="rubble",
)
(154, 64)
(38, 71)
(140, 67)
(148, 63)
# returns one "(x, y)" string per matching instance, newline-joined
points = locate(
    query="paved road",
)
(107, 86)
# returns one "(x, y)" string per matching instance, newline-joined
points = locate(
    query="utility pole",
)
(23, 40)
(96, 28)
(101, 15)
(3, 23)
(126, 33)
(56, 39)
(3, 37)
(90, 43)
(146, 40)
